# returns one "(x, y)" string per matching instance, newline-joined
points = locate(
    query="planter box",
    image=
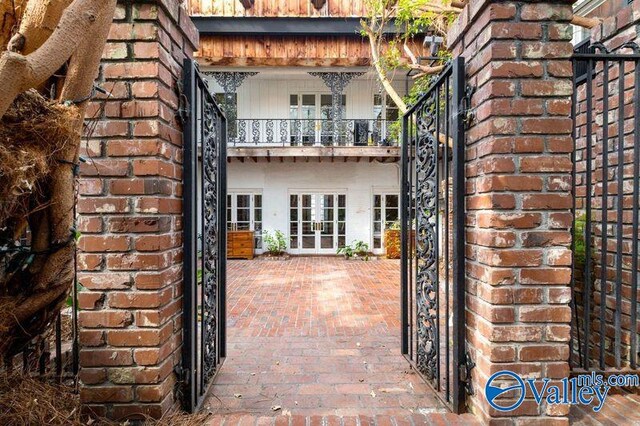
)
(283, 256)
(392, 247)
(392, 243)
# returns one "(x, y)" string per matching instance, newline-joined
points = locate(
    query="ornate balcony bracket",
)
(336, 82)
(230, 82)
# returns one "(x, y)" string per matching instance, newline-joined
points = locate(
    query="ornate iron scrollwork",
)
(255, 131)
(336, 82)
(284, 125)
(210, 160)
(426, 244)
(230, 82)
(269, 130)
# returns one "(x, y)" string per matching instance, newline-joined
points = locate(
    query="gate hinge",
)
(464, 370)
(182, 373)
(469, 114)
(182, 113)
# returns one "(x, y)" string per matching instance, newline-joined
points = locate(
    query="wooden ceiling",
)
(285, 51)
(278, 8)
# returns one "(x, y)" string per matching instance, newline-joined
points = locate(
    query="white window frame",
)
(232, 218)
(383, 212)
(582, 8)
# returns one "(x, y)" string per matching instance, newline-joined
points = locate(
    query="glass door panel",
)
(327, 228)
(308, 207)
(317, 222)
(294, 226)
(308, 112)
(386, 211)
(244, 213)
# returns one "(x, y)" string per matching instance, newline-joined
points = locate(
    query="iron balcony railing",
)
(312, 132)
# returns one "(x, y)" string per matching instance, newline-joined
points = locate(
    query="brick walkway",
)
(318, 337)
(619, 409)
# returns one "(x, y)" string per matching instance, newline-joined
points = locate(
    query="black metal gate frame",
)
(439, 112)
(585, 62)
(204, 344)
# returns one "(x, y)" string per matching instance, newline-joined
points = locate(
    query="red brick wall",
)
(130, 206)
(614, 32)
(519, 211)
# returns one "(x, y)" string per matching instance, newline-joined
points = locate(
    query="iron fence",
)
(606, 160)
(204, 315)
(432, 218)
(313, 132)
(52, 355)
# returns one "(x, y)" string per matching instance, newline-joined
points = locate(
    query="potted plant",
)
(359, 249)
(275, 243)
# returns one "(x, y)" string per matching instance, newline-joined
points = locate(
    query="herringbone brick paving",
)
(316, 341)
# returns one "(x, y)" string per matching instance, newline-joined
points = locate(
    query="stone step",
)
(363, 420)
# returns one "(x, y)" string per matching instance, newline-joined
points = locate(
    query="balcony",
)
(312, 132)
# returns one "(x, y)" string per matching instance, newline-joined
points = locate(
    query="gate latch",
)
(469, 114)
(464, 369)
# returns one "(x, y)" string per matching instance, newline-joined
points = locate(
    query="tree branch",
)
(19, 73)
(382, 75)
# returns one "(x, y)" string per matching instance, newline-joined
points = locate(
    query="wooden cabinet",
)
(240, 245)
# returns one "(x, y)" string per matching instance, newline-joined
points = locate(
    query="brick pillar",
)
(130, 206)
(518, 195)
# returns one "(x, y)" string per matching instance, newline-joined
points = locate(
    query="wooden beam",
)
(318, 4)
(283, 62)
(248, 4)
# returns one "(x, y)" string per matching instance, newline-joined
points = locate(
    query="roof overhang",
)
(248, 25)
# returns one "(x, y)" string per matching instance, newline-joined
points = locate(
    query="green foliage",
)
(275, 242)
(579, 248)
(359, 248)
(391, 59)
(347, 251)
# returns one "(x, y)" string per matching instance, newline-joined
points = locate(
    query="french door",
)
(311, 116)
(386, 212)
(317, 222)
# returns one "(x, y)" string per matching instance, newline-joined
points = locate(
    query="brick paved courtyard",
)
(318, 337)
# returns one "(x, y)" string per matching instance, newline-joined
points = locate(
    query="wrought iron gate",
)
(432, 216)
(606, 133)
(205, 198)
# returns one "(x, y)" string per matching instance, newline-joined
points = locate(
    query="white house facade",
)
(324, 182)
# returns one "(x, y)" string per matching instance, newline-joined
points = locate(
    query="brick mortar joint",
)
(175, 20)
(598, 32)
(473, 10)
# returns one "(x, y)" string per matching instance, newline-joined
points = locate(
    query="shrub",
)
(275, 243)
(359, 248)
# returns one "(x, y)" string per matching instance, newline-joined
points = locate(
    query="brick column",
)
(518, 195)
(130, 206)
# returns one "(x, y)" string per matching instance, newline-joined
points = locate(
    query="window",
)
(385, 113)
(311, 116)
(386, 211)
(229, 104)
(221, 99)
(384, 108)
(244, 213)
(326, 107)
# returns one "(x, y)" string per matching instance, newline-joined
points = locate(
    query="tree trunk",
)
(46, 43)
(11, 12)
